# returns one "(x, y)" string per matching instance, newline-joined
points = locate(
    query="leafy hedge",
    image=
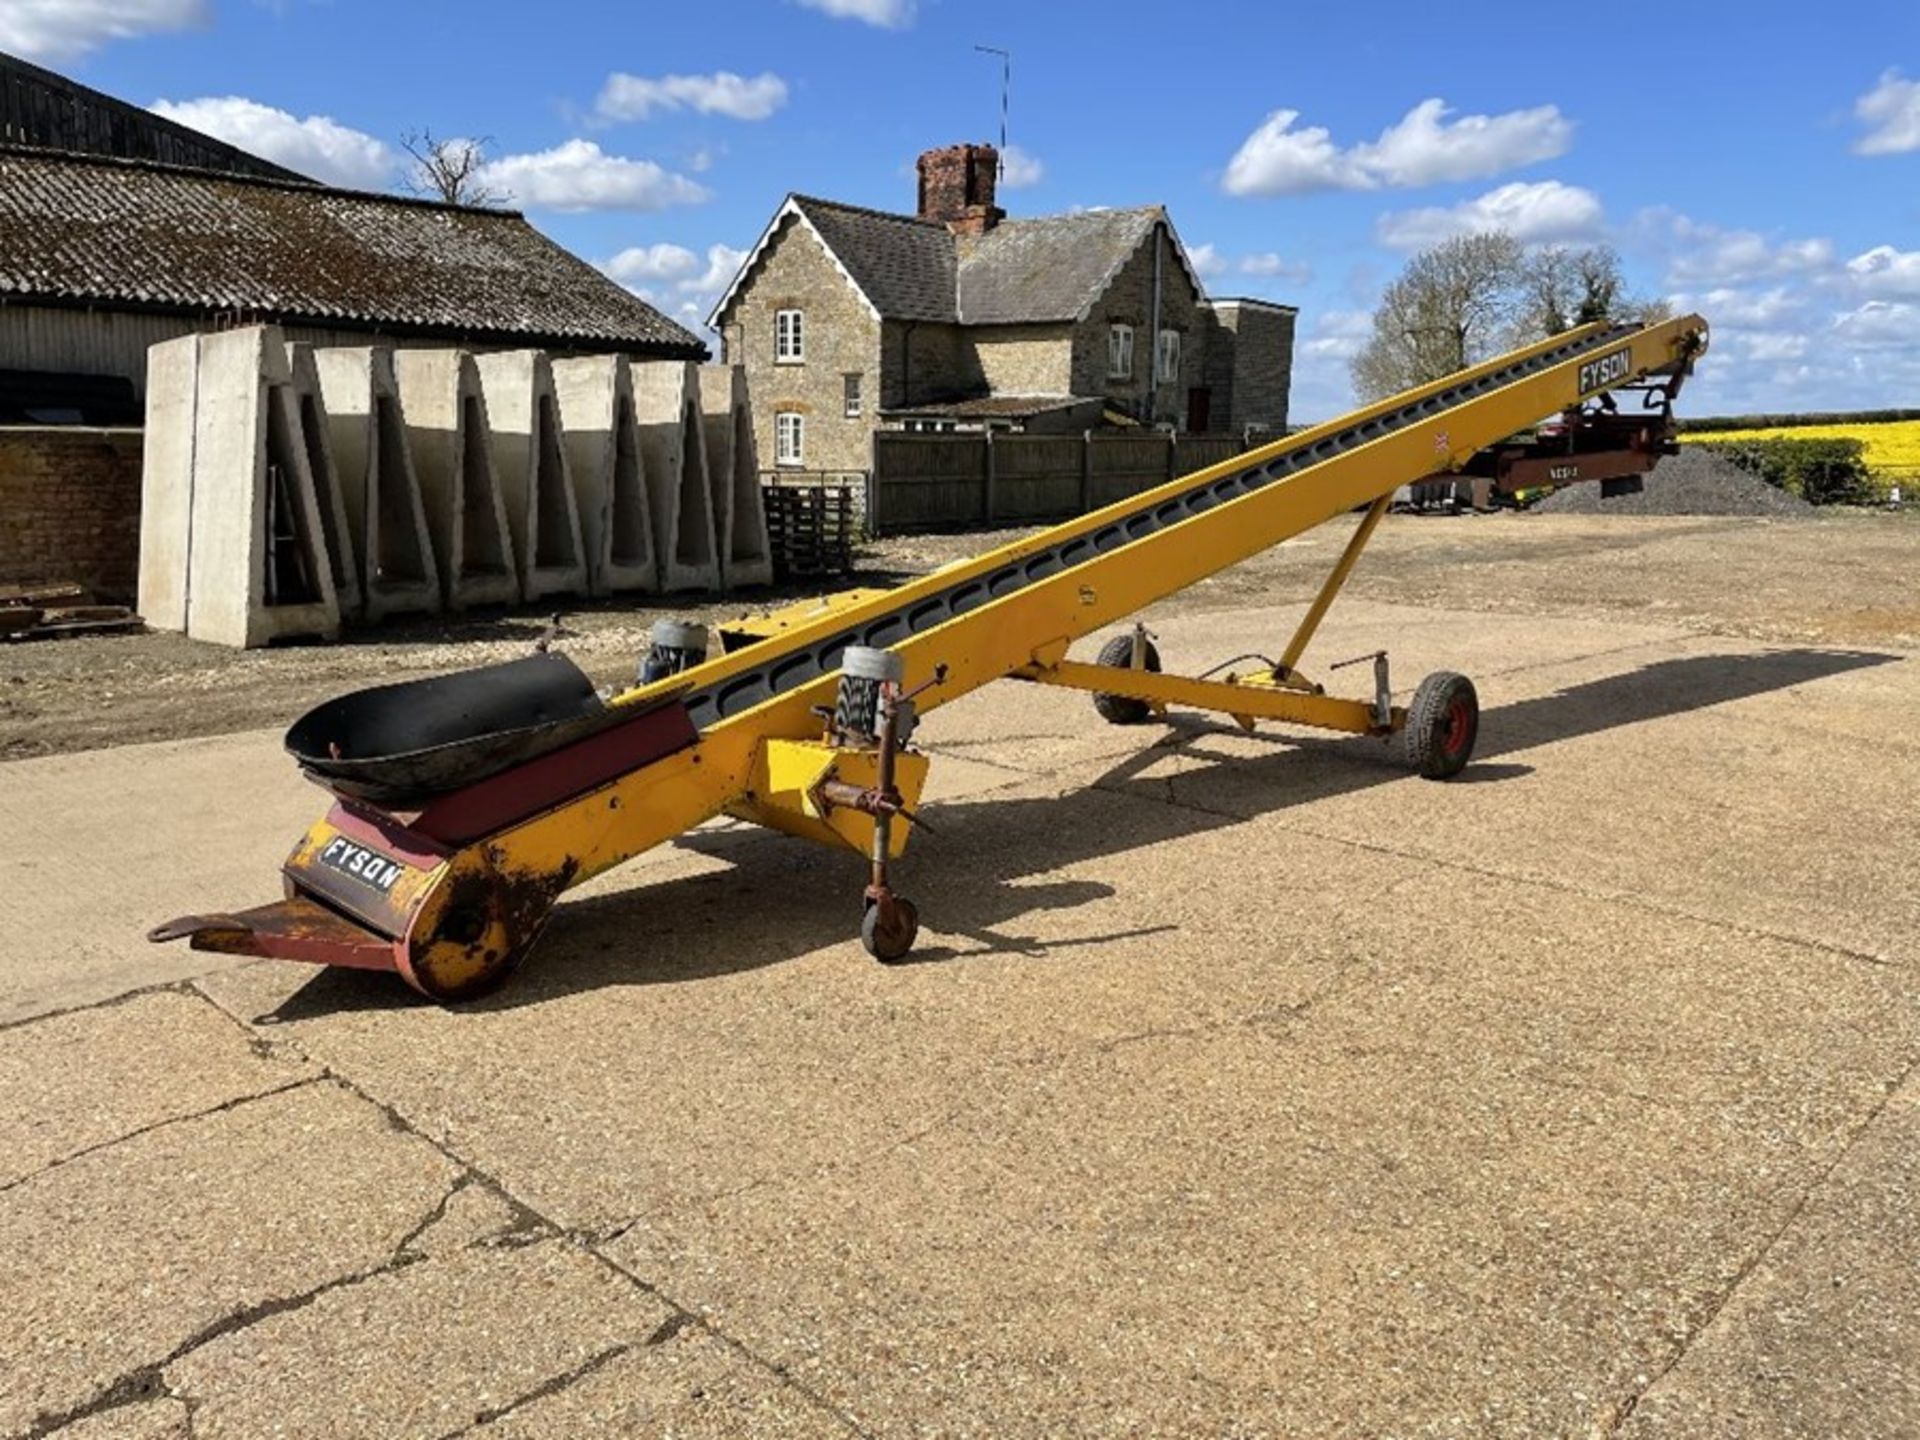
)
(1821, 472)
(1789, 422)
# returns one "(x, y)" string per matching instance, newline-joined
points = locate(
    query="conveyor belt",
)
(929, 603)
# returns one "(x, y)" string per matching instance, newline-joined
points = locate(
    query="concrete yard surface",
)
(1242, 1085)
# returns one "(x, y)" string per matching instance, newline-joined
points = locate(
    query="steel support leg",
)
(1317, 611)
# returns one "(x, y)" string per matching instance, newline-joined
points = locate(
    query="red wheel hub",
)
(1459, 727)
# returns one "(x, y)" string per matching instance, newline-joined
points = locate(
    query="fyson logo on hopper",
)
(363, 864)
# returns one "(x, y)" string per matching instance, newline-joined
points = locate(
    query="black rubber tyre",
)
(1124, 709)
(1443, 722)
(890, 944)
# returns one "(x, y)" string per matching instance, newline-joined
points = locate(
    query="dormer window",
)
(789, 337)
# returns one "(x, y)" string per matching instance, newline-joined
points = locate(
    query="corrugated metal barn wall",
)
(115, 342)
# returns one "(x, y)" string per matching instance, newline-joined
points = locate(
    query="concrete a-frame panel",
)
(673, 453)
(343, 549)
(452, 444)
(603, 455)
(257, 568)
(530, 461)
(733, 468)
(166, 481)
(368, 432)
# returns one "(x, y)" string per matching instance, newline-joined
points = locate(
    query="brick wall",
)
(70, 507)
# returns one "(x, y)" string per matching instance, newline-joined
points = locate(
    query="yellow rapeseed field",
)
(1892, 446)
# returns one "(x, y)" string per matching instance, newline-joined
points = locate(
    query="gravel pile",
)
(1693, 482)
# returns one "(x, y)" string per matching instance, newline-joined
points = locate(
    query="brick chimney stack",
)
(956, 188)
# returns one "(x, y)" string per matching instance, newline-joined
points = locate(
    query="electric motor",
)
(676, 645)
(856, 709)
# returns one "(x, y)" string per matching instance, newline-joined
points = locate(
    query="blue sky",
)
(1757, 161)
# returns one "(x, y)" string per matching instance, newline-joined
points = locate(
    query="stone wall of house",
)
(841, 337)
(924, 361)
(70, 496)
(1129, 301)
(1026, 359)
(1258, 343)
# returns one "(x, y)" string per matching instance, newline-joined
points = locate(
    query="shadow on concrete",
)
(975, 877)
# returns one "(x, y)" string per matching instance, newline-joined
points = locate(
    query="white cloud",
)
(723, 263)
(1731, 309)
(1891, 113)
(64, 29)
(1880, 324)
(1424, 147)
(1277, 159)
(579, 175)
(1532, 212)
(1699, 253)
(1018, 168)
(888, 14)
(1271, 265)
(318, 146)
(1884, 270)
(651, 262)
(679, 282)
(1210, 264)
(635, 97)
(1207, 261)
(1338, 334)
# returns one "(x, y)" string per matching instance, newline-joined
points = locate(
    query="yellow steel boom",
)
(455, 915)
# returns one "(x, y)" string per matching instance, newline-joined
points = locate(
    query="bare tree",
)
(1564, 288)
(448, 170)
(1475, 295)
(1449, 309)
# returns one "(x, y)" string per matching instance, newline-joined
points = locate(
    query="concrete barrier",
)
(451, 442)
(249, 565)
(367, 431)
(673, 451)
(343, 552)
(603, 456)
(530, 461)
(733, 470)
(166, 481)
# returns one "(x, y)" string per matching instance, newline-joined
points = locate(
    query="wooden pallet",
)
(811, 529)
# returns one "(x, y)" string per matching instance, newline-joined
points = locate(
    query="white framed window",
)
(853, 397)
(789, 438)
(789, 337)
(1120, 352)
(1167, 358)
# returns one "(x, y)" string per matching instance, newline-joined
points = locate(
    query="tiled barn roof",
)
(87, 230)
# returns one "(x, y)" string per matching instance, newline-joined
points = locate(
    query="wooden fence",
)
(980, 481)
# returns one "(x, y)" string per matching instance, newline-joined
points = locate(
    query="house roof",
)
(1053, 268)
(91, 230)
(902, 264)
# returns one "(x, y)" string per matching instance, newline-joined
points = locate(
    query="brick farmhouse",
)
(956, 317)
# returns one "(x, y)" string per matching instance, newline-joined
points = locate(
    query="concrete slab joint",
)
(367, 430)
(673, 448)
(530, 461)
(451, 438)
(733, 462)
(343, 550)
(595, 393)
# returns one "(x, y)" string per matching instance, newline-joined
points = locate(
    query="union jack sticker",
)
(1442, 442)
